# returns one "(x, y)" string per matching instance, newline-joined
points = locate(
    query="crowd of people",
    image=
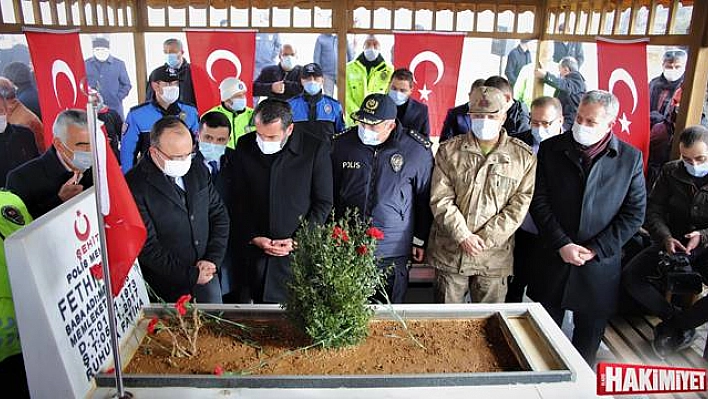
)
(522, 198)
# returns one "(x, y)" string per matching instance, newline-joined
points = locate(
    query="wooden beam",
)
(632, 17)
(617, 18)
(38, 20)
(53, 11)
(540, 27)
(652, 18)
(696, 75)
(19, 14)
(670, 21)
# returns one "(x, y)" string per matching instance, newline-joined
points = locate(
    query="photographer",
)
(677, 219)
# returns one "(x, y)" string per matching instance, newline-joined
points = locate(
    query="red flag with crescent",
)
(434, 60)
(622, 70)
(217, 55)
(59, 70)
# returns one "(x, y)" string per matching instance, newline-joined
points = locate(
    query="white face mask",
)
(101, 54)
(3, 123)
(371, 53)
(170, 94)
(367, 136)
(270, 147)
(288, 62)
(82, 160)
(177, 168)
(585, 135)
(700, 170)
(398, 97)
(485, 129)
(673, 75)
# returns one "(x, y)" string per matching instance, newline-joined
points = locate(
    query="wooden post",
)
(696, 75)
(540, 28)
(340, 22)
(140, 23)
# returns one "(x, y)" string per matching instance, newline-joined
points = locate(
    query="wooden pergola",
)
(583, 21)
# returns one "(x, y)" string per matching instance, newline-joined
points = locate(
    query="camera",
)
(678, 275)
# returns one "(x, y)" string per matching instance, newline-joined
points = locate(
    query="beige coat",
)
(473, 194)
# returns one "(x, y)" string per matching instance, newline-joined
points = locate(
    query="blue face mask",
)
(398, 97)
(211, 151)
(237, 104)
(82, 160)
(368, 137)
(172, 59)
(700, 170)
(312, 87)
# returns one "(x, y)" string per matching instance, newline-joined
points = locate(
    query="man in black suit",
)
(589, 201)
(277, 178)
(187, 224)
(457, 120)
(60, 173)
(281, 81)
(412, 114)
(569, 85)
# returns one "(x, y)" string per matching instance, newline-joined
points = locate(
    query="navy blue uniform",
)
(320, 115)
(138, 123)
(389, 183)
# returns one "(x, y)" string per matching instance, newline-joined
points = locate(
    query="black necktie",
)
(214, 169)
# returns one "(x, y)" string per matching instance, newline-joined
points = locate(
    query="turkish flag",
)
(434, 59)
(622, 70)
(59, 70)
(125, 231)
(217, 55)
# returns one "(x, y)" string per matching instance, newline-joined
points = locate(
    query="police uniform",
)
(389, 183)
(13, 216)
(138, 123)
(317, 114)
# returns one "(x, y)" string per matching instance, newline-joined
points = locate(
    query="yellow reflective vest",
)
(241, 123)
(360, 85)
(13, 216)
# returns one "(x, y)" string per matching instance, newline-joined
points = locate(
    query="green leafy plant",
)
(334, 274)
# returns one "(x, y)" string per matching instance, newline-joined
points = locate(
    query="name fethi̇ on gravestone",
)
(60, 301)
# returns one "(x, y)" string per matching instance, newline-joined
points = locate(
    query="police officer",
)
(233, 106)
(384, 171)
(136, 136)
(314, 111)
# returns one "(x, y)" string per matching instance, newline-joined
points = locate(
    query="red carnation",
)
(153, 324)
(361, 249)
(340, 233)
(375, 233)
(180, 305)
(218, 370)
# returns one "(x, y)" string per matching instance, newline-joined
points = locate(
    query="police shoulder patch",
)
(12, 214)
(420, 138)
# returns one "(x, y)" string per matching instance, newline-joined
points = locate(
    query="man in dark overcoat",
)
(589, 200)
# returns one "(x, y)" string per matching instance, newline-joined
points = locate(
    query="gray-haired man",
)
(589, 200)
(60, 173)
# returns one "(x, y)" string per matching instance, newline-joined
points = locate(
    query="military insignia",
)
(371, 105)
(396, 162)
(11, 213)
(327, 109)
(183, 116)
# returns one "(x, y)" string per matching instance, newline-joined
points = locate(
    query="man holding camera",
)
(677, 220)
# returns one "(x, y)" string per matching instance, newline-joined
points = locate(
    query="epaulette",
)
(420, 138)
(521, 144)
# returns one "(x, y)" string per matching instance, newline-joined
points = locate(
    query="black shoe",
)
(669, 340)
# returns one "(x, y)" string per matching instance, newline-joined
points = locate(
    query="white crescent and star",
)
(61, 67)
(222, 54)
(621, 75)
(429, 56)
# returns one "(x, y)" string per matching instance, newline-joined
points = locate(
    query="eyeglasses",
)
(176, 157)
(542, 123)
